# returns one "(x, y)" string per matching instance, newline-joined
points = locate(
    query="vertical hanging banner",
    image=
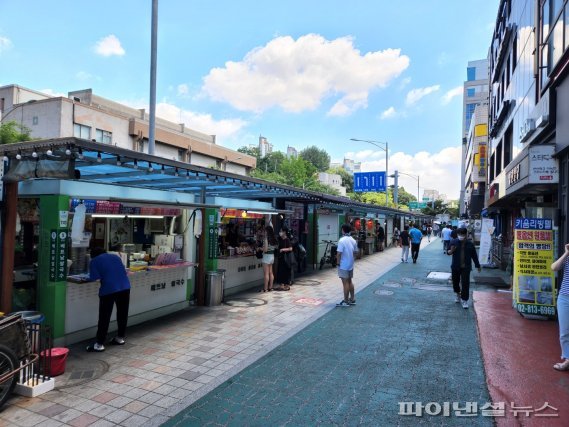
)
(487, 229)
(534, 281)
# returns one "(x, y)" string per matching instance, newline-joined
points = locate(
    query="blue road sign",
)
(369, 182)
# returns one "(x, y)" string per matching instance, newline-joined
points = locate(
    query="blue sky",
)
(300, 73)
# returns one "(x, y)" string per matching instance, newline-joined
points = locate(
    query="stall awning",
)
(88, 161)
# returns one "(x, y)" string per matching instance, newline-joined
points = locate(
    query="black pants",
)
(461, 282)
(415, 251)
(106, 304)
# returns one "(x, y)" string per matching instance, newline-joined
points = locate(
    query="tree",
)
(271, 162)
(436, 207)
(319, 158)
(403, 197)
(11, 132)
(251, 151)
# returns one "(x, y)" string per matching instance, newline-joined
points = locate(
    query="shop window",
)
(81, 131)
(103, 136)
(508, 144)
(498, 154)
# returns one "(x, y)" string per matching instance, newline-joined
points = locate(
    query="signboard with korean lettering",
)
(57, 255)
(369, 182)
(534, 281)
(543, 166)
(212, 241)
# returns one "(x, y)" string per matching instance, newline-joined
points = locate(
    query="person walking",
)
(429, 232)
(347, 246)
(445, 235)
(114, 290)
(563, 309)
(463, 254)
(284, 264)
(404, 243)
(270, 244)
(416, 236)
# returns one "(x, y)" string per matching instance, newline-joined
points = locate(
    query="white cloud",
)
(83, 76)
(437, 171)
(448, 97)
(109, 46)
(5, 44)
(204, 123)
(183, 89)
(297, 75)
(414, 95)
(388, 114)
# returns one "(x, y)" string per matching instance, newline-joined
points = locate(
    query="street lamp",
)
(226, 160)
(386, 149)
(415, 177)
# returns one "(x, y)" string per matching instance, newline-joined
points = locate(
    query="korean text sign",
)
(534, 281)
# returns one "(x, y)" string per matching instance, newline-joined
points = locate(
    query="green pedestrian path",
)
(405, 341)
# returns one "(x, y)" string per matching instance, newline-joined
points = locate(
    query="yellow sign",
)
(534, 281)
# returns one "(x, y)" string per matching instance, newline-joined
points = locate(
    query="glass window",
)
(470, 91)
(545, 20)
(81, 131)
(103, 136)
(556, 6)
(557, 37)
(566, 27)
(471, 74)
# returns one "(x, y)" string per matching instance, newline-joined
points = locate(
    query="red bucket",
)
(55, 362)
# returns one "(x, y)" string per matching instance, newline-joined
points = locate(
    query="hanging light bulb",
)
(176, 172)
(5, 158)
(68, 151)
(49, 152)
(19, 155)
(150, 168)
(80, 153)
(119, 163)
(99, 158)
(34, 154)
(135, 166)
(162, 170)
(187, 174)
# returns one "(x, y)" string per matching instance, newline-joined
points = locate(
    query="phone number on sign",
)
(536, 309)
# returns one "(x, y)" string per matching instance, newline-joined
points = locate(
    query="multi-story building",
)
(264, 147)
(476, 161)
(351, 166)
(291, 152)
(529, 115)
(333, 180)
(85, 115)
(475, 93)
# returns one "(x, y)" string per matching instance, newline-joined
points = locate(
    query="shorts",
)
(268, 259)
(345, 274)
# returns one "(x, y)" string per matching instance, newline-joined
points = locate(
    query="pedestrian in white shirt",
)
(345, 260)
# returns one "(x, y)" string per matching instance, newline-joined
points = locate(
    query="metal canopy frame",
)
(108, 164)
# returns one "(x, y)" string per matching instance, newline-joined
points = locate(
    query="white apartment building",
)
(333, 180)
(265, 147)
(85, 115)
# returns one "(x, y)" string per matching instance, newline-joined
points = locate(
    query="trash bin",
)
(215, 281)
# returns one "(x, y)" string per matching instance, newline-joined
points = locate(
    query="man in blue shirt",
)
(115, 289)
(416, 236)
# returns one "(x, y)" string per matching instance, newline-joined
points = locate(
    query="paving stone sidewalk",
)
(175, 360)
(405, 341)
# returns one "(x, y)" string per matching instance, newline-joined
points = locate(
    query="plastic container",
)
(55, 361)
(31, 316)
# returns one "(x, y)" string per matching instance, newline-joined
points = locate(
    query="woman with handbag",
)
(284, 263)
(269, 246)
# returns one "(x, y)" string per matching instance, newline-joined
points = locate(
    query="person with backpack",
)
(463, 254)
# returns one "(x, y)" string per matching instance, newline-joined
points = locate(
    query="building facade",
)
(476, 149)
(333, 180)
(85, 115)
(475, 93)
(265, 147)
(528, 115)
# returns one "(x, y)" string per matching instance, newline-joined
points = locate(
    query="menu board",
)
(534, 281)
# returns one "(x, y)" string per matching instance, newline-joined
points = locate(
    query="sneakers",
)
(352, 302)
(464, 304)
(95, 347)
(343, 304)
(457, 298)
(118, 341)
(402, 260)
